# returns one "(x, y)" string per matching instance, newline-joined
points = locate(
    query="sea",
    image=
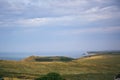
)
(17, 56)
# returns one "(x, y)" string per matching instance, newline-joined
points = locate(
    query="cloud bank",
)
(59, 25)
(36, 13)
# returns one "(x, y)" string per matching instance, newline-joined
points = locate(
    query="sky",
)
(59, 25)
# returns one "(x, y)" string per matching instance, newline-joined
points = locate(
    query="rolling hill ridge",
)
(47, 59)
(104, 66)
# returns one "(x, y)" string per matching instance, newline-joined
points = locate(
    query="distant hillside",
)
(47, 59)
(103, 52)
(94, 67)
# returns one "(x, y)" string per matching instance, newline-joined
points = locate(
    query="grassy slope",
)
(101, 67)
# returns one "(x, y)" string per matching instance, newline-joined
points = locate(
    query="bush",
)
(51, 76)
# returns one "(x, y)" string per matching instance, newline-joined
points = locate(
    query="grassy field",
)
(97, 67)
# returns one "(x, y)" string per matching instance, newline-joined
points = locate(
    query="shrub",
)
(51, 76)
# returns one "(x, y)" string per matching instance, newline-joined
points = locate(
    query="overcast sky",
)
(59, 25)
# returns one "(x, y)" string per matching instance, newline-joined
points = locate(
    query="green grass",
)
(90, 76)
(98, 67)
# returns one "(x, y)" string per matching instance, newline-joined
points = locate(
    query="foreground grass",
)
(99, 67)
(90, 76)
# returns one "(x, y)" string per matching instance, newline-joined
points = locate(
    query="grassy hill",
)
(97, 67)
(47, 59)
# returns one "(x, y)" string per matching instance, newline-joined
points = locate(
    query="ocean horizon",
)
(19, 56)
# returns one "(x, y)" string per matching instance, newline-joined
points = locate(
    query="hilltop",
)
(47, 58)
(104, 66)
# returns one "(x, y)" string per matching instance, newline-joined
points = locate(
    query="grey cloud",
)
(13, 10)
(47, 8)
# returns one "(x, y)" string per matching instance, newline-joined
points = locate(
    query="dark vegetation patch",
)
(48, 59)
